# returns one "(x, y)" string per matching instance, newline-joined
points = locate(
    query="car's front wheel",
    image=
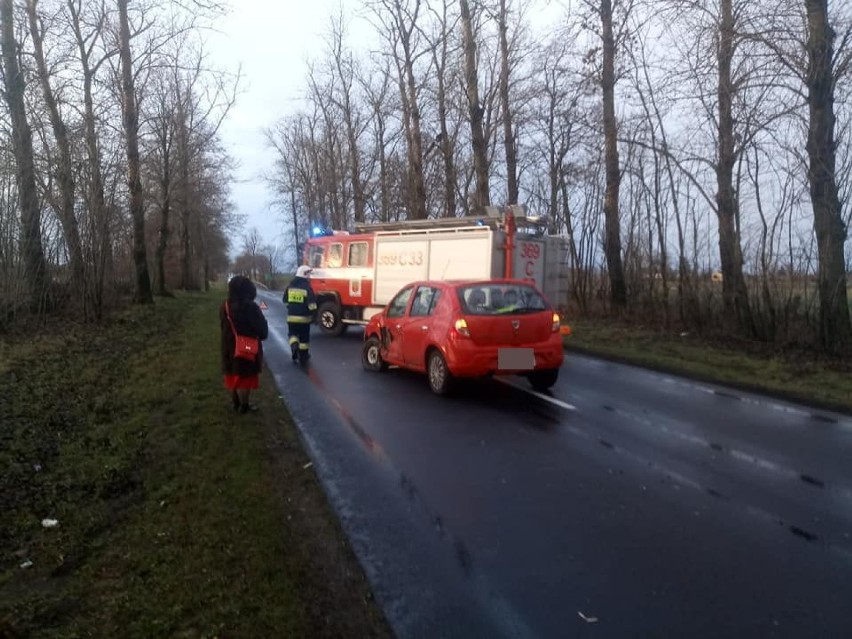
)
(440, 378)
(544, 379)
(371, 356)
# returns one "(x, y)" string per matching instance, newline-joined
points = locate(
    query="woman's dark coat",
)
(249, 321)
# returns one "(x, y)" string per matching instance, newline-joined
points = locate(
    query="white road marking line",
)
(547, 398)
(754, 398)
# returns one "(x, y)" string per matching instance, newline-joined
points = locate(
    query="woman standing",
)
(241, 375)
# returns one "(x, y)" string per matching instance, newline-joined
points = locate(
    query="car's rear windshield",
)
(501, 299)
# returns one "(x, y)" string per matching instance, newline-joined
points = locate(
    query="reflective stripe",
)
(304, 347)
(298, 319)
(296, 296)
(293, 340)
(312, 307)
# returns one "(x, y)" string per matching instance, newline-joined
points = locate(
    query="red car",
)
(467, 329)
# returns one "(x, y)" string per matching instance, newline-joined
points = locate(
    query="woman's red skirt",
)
(235, 382)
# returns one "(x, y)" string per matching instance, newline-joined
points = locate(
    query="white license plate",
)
(516, 359)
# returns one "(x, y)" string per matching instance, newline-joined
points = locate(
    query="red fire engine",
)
(355, 274)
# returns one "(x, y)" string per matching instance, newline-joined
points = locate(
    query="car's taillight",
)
(555, 327)
(461, 327)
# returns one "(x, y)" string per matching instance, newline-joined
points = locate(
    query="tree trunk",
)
(165, 210)
(164, 134)
(734, 291)
(130, 117)
(443, 139)
(188, 280)
(354, 160)
(612, 244)
(415, 148)
(35, 265)
(357, 187)
(446, 152)
(64, 171)
(835, 326)
(162, 244)
(480, 151)
(508, 133)
(384, 187)
(95, 200)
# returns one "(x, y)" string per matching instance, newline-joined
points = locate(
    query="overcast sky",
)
(272, 40)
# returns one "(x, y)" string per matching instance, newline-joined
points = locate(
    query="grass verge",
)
(824, 382)
(176, 517)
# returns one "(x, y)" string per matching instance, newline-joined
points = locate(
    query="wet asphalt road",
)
(629, 504)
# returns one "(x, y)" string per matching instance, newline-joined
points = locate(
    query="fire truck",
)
(355, 274)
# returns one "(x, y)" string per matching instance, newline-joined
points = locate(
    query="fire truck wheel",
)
(328, 318)
(371, 356)
(544, 379)
(440, 378)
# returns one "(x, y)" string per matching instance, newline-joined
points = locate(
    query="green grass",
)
(805, 377)
(177, 517)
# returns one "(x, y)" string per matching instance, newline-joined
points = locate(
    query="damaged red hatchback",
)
(467, 329)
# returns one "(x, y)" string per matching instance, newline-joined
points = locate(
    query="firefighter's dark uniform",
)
(301, 309)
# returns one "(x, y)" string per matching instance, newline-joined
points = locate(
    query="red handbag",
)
(245, 347)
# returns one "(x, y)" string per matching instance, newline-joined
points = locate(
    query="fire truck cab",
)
(355, 274)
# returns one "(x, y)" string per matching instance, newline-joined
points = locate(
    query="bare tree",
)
(64, 168)
(835, 326)
(399, 19)
(271, 256)
(164, 128)
(440, 44)
(475, 110)
(344, 66)
(35, 264)
(95, 198)
(734, 290)
(612, 243)
(253, 250)
(505, 108)
(376, 89)
(130, 121)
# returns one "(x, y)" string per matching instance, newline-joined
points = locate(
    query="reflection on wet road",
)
(626, 503)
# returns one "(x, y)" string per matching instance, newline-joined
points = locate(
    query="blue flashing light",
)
(480, 223)
(317, 230)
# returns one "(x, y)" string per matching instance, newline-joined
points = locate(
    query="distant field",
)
(809, 378)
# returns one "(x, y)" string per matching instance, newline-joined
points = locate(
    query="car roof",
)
(464, 283)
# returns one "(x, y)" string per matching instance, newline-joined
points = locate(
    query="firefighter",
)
(301, 311)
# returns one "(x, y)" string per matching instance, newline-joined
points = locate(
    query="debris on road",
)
(49, 523)
(587, 619)
(308, 465)
(26, 564)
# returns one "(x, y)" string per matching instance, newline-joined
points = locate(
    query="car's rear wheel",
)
(544, 379)
(371, 356)
(440, 378)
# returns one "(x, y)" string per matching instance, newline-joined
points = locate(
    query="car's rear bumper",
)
(465, 359)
